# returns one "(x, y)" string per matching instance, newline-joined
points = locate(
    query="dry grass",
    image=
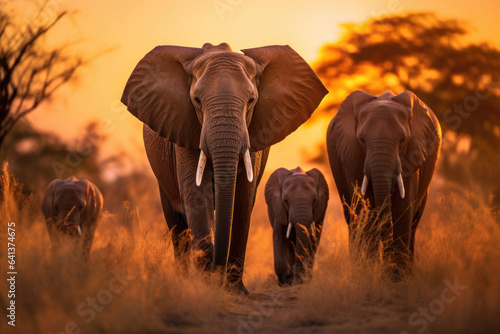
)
(456, 241)
(156, 297)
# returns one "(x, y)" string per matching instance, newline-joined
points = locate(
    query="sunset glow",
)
(390, 110)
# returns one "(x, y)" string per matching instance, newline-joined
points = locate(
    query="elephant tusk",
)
(313, 230)
(201, 168)
(248, 165)
(401, 186)
(79, 230)
(364, 185)
(288, 230)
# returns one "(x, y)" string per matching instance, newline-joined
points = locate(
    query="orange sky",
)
(134, 28)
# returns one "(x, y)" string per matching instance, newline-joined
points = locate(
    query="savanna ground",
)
(132, 284)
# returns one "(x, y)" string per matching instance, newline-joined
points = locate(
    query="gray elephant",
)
(210, 116)
(296, 204)
(72, 209)
(390, 146)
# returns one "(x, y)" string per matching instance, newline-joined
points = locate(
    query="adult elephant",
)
(206, 112)
(390, 145)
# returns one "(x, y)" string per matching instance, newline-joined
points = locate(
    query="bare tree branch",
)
(30, 73)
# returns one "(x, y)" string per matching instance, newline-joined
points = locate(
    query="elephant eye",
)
(197, 101)
(252, 99)
(56, 208)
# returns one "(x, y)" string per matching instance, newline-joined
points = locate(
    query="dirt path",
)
(263, 311)
(274, 310)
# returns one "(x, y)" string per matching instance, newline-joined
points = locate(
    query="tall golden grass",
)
(50, 290)
(457, 242)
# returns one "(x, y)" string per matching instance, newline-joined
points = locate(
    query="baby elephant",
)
(72, 208)
(296, 204)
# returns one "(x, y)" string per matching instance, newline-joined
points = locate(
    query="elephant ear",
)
(323, 195)
(425, 141)
(157, 93)
(289, 92)
(342, 130)
(48, 199)
(277, 212)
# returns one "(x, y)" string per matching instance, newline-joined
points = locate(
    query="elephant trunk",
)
(301, 216)
(384, 169)
(382, 166)
(225, 165)
(224, 140)
(71, 221)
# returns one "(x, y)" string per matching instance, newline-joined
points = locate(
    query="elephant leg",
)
(397, 257)
(54, 234)
(364, 229)
(315, 245)
(163, 159)
(179, 232)
(88, 232)
(366, 237)
(397, 253)
(292, 259)
(243, 204)
(416, 220)
(412, 243)
(198, 204)
(281, 248)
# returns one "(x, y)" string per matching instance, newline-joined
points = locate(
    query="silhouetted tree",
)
(30, 73)
(428, 55)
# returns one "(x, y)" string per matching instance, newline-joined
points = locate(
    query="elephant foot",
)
(237, 288)
(299, 279)
(397, 272)
(284, 284)
(301, 273)
(203, 254)
(203, 263)
(397, 265)
(286, 279)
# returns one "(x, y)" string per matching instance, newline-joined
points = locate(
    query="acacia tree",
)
(30, 73)
(430, 56)
(425, 54)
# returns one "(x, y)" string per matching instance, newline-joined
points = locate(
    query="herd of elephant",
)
(210, 116)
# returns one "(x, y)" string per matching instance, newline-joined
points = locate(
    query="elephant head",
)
(297, 203)
(394, 134)
(224, 104)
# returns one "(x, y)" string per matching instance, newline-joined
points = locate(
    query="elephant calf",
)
(296, 204)
(72, 208)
